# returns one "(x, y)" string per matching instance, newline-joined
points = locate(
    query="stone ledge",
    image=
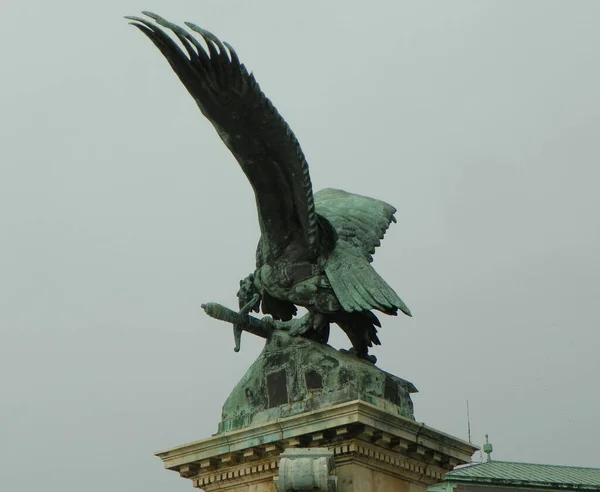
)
(389, 462)
(248, 474)
(355, 451)
(368, 432)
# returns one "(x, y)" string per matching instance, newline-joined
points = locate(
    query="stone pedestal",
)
(294, 375)
(332, 420)
(374, 450)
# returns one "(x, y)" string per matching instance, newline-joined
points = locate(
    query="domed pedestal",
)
(328, 418)
(294, 375)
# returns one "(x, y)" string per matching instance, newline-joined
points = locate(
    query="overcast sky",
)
(121, 212)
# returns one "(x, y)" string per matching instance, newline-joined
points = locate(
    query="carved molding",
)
(247, 473)
(356, 432)
(389, 461)
(382, 452)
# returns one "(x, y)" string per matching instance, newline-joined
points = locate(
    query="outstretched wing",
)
(357, 285)
(360, 223)
(250, 126)
(359, 220)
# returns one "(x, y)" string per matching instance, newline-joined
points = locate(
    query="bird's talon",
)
(366, 357)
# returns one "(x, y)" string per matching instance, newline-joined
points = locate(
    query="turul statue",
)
(315, 249)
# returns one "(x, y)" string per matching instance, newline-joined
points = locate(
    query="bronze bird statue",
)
(315, 249)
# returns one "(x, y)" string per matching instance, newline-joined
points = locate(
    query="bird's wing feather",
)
(250, 126)
(357, 285)
(359, 220)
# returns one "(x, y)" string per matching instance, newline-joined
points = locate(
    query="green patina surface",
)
(294, 375)
(315, 249)
(528, 475)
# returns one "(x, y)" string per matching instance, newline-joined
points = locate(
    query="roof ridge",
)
(534, 475)
(533, 464)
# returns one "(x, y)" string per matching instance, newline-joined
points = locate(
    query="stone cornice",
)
(326, 427)
(390, 461)
(246, 474)
(231, 471)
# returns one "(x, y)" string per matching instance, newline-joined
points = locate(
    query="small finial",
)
(488, 448)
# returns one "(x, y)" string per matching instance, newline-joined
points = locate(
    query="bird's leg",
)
(313, 325)
(320, 327)
(362, 355)
(250, 305)
(249, 300)
(248, 295)
(356, 326)
(323, 332)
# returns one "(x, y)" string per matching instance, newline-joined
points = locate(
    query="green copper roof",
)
(528, 474)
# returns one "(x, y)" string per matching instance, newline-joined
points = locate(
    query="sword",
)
(241, 321)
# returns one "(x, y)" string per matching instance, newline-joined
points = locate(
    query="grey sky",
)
(121, 212)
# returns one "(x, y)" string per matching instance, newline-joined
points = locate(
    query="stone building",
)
(309, 417)
(505, 476)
